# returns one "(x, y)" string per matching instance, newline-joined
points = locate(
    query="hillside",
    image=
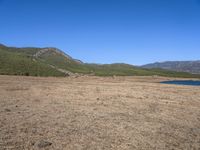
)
(15, 61)
(54, 62)
(180, 66)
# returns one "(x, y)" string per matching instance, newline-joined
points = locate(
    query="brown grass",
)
(121, 113)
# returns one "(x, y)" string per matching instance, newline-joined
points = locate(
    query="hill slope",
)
(54, 62)
(184, 66)
(15, 62)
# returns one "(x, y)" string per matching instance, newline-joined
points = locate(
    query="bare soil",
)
(96, 113)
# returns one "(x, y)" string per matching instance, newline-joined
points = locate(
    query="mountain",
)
(51, 61)
(180, 66)
(36, 61)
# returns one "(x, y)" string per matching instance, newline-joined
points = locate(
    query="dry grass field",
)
(97, 113)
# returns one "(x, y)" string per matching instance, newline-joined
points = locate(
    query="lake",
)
(183, 82)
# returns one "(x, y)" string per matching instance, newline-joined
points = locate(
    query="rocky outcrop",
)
(66, 72)
(46, 50)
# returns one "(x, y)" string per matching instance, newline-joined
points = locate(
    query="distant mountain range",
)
(180, 66)
(49, 61)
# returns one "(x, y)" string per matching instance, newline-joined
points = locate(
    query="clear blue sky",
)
(105, 31)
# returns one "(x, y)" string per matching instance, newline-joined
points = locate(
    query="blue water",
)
(183, 82)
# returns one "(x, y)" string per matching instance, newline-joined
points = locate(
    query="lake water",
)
(183, 82)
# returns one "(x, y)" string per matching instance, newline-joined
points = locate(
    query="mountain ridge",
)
(180, 66)
(50, 61)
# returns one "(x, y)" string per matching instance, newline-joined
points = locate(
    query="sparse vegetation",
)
(121, 113)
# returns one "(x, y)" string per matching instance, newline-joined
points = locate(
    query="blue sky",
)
(105, 31)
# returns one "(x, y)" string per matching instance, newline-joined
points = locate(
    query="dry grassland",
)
(97, 113)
